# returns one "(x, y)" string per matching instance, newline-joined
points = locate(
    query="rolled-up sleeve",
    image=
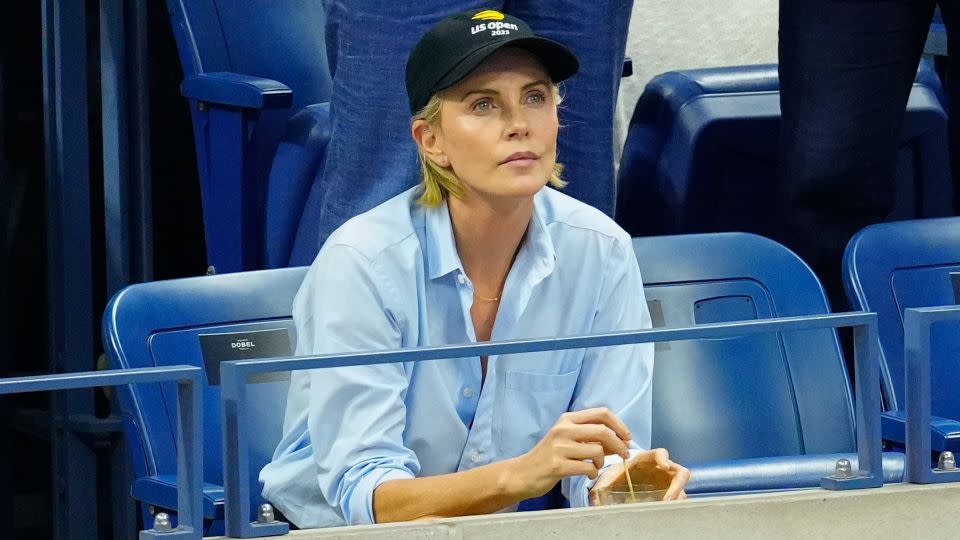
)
(356, 414)
(358, 503)
(619, 378)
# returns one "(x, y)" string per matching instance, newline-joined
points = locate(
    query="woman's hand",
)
(651, 467)
(575, 445)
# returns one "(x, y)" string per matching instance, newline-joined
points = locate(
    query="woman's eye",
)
(536, 98)
(483, 105)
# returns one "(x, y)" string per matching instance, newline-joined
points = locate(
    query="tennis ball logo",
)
(488, 15)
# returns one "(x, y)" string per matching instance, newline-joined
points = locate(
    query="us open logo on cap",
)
(496, 26)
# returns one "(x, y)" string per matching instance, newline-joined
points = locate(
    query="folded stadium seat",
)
(251, 69)
(893, 266)
(745, 413)
(198, 321)
(701, 153)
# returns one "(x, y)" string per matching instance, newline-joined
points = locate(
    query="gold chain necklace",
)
(484, 298)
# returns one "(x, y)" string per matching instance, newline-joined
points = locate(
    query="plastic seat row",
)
(702, 154)
(756, 397)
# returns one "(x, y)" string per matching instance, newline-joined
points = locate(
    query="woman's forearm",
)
(482, 490)
(575, 445)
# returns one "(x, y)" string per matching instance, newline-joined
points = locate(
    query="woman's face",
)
(498, 127)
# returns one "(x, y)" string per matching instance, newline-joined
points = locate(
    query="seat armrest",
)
(893, 427)
(777, 473)
(944, 432)
(161, 492)
(236, 90)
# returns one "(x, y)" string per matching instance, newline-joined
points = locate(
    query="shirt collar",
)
(535, 261)
(539, 244)
(442, 256)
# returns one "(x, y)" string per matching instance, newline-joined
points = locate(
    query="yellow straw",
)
(633, 496)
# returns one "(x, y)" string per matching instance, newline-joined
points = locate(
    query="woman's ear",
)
(429, 141)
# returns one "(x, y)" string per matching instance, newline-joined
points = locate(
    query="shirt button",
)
(461, 279)
(475, 456)
(468, 392)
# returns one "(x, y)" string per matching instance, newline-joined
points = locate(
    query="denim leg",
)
(596, 32)
(371, 156)
(846, 68)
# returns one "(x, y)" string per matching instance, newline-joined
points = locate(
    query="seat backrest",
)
(201, 321)
(702, 153)
(775, 394)
(889, 267)
(283, 41)
(279, 40)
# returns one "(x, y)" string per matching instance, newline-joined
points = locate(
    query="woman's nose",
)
(517, 125)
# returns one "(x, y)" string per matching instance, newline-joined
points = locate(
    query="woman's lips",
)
(520, 159)
(520, 162)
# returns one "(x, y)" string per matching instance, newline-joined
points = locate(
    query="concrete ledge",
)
(894, 511)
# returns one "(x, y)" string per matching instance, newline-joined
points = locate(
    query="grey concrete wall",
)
(894, 511)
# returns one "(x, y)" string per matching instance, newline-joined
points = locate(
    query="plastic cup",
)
(620, 494)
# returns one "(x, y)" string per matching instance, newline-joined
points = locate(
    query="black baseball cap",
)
(450, 50)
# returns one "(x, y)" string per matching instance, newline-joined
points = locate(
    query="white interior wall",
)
(666, 35)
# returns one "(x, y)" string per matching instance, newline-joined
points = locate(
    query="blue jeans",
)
(371, 156)
(846, 69)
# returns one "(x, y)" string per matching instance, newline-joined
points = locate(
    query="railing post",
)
(189, 426)
(236, 462)
(866, 366)
(917, 323)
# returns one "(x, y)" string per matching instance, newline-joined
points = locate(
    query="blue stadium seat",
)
(893, 266)
(746, 413)
(701, 153)
(198, 321)
(745, 397)
(251, 70)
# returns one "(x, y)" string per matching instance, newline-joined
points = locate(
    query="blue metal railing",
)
(189, 424)
(235, 374)
(917, 323)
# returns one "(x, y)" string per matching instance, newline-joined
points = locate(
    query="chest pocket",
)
(532, 403)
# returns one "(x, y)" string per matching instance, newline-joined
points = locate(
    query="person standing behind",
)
(846, 69)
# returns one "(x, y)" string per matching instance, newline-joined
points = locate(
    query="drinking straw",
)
(626, 469)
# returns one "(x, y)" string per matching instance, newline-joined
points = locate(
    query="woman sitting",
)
(481, 250)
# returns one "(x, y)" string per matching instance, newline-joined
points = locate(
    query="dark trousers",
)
(846, 69)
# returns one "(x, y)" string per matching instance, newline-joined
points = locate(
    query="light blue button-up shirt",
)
(392, 278)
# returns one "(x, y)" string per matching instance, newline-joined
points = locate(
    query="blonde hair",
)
(438, 183)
